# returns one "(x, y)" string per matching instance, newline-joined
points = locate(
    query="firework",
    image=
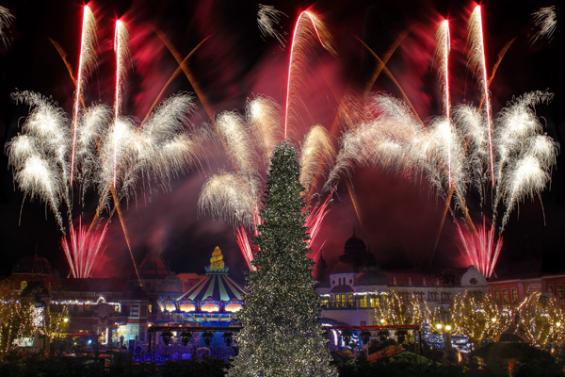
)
(545, 23)
(120, 52)
(317, 155)
(230, 197)
(314, 221)
(232, 130)
(6, 21)
(82, 247)
(444, 47)
(478, 60)
(86, 61)
(268, 20)
(525, 154)
(482, 246)
(308, 27)
(263, 115)
(247, 248)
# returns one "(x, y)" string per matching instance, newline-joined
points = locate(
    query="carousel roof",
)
(216, 285)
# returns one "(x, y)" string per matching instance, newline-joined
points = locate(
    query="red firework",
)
(82, 247)
(481, 245)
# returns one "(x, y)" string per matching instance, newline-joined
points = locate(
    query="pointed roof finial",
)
(217, 260)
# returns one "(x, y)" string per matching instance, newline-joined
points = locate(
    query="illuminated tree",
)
(281, 334)
(394, 309)
(541, 320)
(16, 318)
(54, 325)
(478, 316)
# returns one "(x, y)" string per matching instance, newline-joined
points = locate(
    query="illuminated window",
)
(373, 301)
(187, 306)
(363, 302)
(232, 307)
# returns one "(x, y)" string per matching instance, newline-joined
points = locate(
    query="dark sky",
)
(400, 217)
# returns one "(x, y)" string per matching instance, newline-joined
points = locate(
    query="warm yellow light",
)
(382, 321)
(232, 308)
(439, 326)
(493, 319)
(558, 324)
(66, 319)
(447, 327)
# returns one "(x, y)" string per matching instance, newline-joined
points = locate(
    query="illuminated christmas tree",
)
(281, 334)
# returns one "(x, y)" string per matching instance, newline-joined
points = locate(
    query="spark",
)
(120, 52)
(268, 20)
(308, 26)
(245, 245)
(444, 47)
(263, 115)
(230, 197)
(317, 155)
(82, 247)
(481, 246)
(478, 60)
(234, 135)
(545, 23)
(86, 61)
(6, 22)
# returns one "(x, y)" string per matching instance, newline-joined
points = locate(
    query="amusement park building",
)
(120, 312)
(349, 291)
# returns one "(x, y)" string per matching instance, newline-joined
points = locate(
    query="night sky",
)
(400, 217)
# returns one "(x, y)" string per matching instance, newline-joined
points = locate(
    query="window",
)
(373, 301)
(514, 295)
(363, 302)
(432, 296)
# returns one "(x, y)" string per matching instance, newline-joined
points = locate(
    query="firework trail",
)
(120, 52)
(183, 66)
(230, 197)
(82, 247)
(314, 221)
(477, 57)
(264, 118)
(86, 61)
(246, 247)
(444, 47)
(317, 155)
(545, 23)
(482, 246)
(268, 21)
(308, 27)
(6, 21)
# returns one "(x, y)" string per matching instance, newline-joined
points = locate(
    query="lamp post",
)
(445, 331)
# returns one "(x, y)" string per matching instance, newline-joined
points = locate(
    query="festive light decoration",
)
(541, 320)
(281, 334)
(16, 318)
(396, 308)
(476, 315)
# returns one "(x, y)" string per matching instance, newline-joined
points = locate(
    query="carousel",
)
(200, 322)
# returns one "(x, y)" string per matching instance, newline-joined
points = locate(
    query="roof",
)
(216, 285)
(33, 265)
(342, 289)
(371, 277)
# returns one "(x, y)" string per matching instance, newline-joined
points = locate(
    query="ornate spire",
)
(217, 260)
